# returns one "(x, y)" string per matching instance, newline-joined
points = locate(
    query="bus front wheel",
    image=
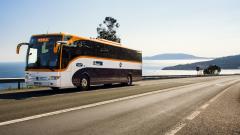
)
(84, 83)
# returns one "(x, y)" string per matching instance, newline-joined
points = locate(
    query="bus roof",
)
(99, 40)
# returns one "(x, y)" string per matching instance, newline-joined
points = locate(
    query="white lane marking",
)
(222, 92)
(193, 115)
(204, 106)
(85, 106)
(176, 129)
(180, 125)
(218, 95)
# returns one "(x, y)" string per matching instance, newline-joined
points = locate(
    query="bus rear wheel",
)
(84, 83)
(129, 80)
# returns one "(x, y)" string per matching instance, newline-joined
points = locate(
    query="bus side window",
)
(115, 51)
(110, 51)
(122, 53)
(104, 51)
(96, 49)
(78, 45)
(66, 38)
(65, 56)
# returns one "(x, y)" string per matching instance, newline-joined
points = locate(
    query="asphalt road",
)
(221, 117)
(149, 107)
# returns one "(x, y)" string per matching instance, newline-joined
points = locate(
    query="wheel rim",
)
(128, 80)
(84, 82)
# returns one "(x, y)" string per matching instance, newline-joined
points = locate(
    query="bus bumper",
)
(43, 83)
(43, 80)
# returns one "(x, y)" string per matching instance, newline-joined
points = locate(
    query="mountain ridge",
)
(173, 56)
(228, 62)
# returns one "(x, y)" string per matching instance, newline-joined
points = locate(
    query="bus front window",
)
(40, 53)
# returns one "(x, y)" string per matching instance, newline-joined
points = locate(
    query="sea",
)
(11, 70)
(150, 67)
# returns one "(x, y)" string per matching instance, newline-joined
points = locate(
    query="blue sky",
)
(208, 28)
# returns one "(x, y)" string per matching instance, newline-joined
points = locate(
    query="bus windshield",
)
(40, 52)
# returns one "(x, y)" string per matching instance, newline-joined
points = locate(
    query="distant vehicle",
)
(65, 61)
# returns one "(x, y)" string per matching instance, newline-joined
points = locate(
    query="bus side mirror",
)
(57, 45)
(19, 46)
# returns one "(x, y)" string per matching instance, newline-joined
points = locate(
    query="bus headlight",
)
(54, 77)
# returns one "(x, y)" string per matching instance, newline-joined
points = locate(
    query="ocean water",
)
(154, 67)
(150, 67)
(11, 70)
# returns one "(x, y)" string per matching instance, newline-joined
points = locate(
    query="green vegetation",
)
(108, 30)
(212, 70)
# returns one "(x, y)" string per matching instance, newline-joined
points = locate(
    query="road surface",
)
(148, 107)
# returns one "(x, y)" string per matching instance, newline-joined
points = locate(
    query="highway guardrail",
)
(13, 80)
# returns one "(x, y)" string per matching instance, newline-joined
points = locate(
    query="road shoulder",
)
(220, 117)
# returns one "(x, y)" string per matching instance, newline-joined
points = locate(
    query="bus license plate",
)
(37, 83)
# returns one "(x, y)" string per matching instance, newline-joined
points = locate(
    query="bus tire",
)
(129, 80)
(84, 83)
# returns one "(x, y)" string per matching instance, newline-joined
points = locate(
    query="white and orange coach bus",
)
(66, 61)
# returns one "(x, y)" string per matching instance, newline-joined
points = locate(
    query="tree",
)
(107, 30)
(212, 69)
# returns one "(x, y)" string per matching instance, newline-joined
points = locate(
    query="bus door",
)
(66, 68)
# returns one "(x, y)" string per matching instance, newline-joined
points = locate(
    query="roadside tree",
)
(108, 30)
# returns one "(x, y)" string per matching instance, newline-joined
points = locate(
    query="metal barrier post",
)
(13, 80)
(19, 85)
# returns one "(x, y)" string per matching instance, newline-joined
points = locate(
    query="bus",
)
(61, 60)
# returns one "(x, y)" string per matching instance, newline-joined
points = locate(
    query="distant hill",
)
(229, 62)
(173, 56)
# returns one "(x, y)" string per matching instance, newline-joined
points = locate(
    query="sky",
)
(206, 28)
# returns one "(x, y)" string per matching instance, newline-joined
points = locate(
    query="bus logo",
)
(120, 64)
